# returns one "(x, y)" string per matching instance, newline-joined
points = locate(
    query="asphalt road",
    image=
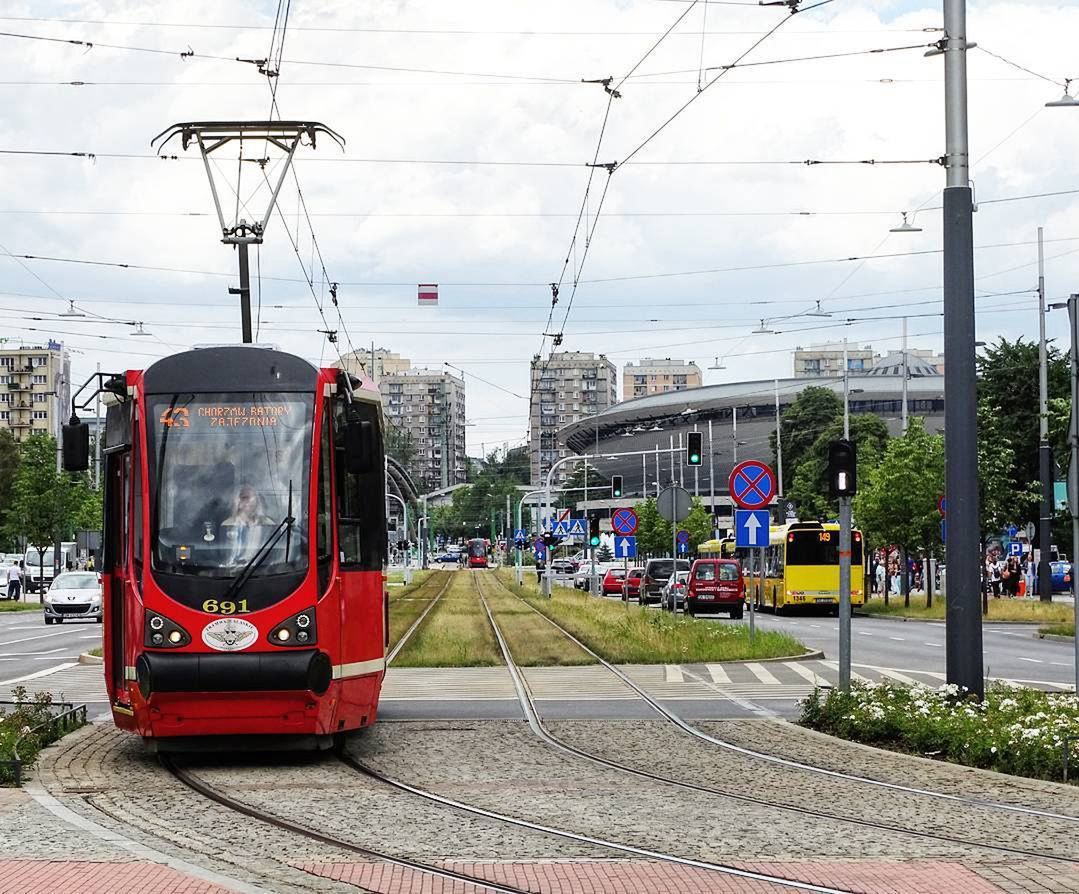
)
(28, 646)
(1010, 650)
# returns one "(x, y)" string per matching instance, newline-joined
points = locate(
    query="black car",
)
(656, 574)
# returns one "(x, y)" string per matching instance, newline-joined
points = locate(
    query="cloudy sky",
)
(469, 132)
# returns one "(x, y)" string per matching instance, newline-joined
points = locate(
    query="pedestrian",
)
(14, 580)
(540, 565)
(90, 563)
(995, 568)
(1028, 575)
(879, 585)
(1011, 575)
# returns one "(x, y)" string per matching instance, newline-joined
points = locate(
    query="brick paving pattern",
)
(77, 877)
(633, 876)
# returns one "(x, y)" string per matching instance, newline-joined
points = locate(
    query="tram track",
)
(536, 724)
(414, 626)
(212, 793)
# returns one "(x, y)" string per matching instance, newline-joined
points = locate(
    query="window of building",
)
(40, 361)
(40, 398)
(41, 380)
(5, 398)
(40, 414)
(9, 362)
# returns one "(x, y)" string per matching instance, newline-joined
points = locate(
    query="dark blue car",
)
(1062, 576)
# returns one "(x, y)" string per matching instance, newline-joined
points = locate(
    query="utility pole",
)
(100, 430)
(1045, 452)
(845, 551)
(779, 443)
(712, 480)
(1073, 474)
(734, 432)
(963, 628)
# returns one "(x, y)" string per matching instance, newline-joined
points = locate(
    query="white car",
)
(73, 594)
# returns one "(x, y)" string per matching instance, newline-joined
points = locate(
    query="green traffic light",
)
(694, 458)
(594, 541)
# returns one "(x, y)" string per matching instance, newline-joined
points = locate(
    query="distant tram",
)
(477, 553)
(244, 548)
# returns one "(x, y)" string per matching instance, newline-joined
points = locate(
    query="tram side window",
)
(324, 520)
(361, 500)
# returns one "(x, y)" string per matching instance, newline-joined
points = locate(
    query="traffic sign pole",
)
(844, 593)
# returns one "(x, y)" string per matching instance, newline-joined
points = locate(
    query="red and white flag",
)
(428, 294)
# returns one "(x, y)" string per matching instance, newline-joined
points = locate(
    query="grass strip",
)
(1014, 730)
(1058, 629)
(999, 609)
(455, 634)
(633, 635)
(532, 641)
(408, 604)
(8, 605)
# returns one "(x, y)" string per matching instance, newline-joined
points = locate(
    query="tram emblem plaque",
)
(229, 634)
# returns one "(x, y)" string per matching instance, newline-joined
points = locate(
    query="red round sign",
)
(752, 484)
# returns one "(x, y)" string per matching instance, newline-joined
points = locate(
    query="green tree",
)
(653, 531)
(1008, 398)
(801, 423)
(603, 553)
(898, 503)
(48, 505)
(810, 486)
(9, 464)
(698, 523)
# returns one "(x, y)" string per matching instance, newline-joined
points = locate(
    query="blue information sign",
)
(751, 527)
(625, 547)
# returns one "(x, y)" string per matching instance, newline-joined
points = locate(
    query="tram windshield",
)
(224, 469)
(477, 548)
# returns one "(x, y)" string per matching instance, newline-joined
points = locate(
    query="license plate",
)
(703, 596)
(823, 599)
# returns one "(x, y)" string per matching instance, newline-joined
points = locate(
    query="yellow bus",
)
(718, 549)
(802, 568)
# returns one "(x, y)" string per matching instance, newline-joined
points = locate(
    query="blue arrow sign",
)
(683, 548)
(751, 527)
(625, 547)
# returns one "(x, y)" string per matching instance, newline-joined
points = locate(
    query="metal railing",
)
(70, 717)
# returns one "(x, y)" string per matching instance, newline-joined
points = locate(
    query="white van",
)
(33, 559)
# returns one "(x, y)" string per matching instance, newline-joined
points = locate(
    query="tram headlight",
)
(297, 630)
(163, 633)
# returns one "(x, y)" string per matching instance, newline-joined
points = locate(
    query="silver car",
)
(73, 594)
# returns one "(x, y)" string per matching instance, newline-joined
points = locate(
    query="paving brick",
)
(80, 877)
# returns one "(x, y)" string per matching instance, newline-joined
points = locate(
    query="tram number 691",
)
(226, 607)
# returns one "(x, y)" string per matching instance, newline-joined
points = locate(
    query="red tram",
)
(477, 553)
(244, 548)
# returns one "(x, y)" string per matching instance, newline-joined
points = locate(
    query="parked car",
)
(612, 582)
(1062, 576)
(562, 566)
(632, 583)
(656, 573)
(716, 585)
(673, 594)
(73, 594)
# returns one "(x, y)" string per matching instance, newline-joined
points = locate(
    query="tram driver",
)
(241, 528)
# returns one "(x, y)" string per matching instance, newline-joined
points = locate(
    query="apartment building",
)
(35, 389)
(427, 408)
(567, 387)
(375, 363)
(827, 359)
(655, 376)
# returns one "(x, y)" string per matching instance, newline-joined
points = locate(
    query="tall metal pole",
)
(779, 444)
(906, 370)
(657, 471)
(245, 294)
(1045, 452)
(681, 465)
(712, 479)
(672, 461)
(1073, 474)
(963, 630)
(734, 432)
(844, 551)
(644, 477)
(100, 430)
(696, 475)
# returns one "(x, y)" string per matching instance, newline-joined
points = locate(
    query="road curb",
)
(807, 656)
(87, 658)
(1055, 637)
(939, 620)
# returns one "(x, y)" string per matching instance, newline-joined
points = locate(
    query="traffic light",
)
(616, 486)
(593, 531)
(694, 450)
(551, 540)
(842, 469)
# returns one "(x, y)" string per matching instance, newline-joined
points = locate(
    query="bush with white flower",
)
(24, 722)
(1014, 730)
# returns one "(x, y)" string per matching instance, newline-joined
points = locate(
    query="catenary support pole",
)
(1073, 474)
(779, 444)
(844, 552)
(963, 629)
(906, 377)
(245, 293)
(712, 482)
(1045, 452)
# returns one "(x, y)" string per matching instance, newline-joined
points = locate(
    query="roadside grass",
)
(408, 604)
(98, 652)
(455, 634)
(532, 641)
(635, 635)
(1014, 730)
(1058, 629)
(999, 609)
(7, 605)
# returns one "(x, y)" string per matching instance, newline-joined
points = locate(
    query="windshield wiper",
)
(285, 525)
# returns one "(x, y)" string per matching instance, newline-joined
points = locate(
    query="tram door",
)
(115, 527)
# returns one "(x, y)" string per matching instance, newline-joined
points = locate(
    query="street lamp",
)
(1066, 100)
(906, 226)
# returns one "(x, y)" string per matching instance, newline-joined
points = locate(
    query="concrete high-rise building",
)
(652, 376)
(827, 359)
(375, 363)
(426, 408)
(568, 387)
(35, 389)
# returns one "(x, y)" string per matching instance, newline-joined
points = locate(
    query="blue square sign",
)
(751, 527)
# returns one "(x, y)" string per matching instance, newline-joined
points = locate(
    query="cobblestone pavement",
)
(502, 766)
(106, 776)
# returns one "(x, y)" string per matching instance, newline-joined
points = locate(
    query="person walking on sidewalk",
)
(14, 580)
